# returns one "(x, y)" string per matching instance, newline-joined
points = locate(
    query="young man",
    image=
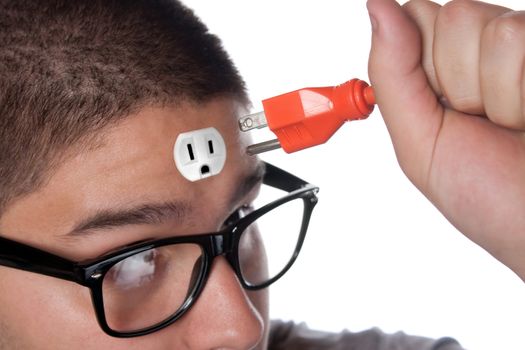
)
(93, 95)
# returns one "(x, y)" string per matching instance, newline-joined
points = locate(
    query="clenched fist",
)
(450, 84)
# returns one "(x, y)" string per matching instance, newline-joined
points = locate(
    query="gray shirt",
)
(291, 336)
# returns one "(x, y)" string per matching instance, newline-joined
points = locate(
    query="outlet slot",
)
(190, 151)
(199, 154)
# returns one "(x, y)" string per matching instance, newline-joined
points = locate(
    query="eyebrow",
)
(150, 214)
(140, 215)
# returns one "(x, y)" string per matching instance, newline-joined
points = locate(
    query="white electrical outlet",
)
(199, 153)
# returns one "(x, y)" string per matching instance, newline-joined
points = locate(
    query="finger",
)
(424, 14)
(458, 30)
(406, 101)
(502, 63)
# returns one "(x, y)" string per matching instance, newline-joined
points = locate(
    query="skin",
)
(132, 165)
(457, 122)
(456, 125)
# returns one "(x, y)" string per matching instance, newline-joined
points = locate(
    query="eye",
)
(135, 271)
(238, 214)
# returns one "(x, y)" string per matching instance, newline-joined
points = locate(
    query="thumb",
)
(405, 99)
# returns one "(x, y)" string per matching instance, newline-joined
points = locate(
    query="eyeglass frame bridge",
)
(91, 273)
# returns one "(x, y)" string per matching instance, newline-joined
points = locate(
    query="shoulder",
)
(291, 336)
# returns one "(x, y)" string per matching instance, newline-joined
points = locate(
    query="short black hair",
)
(69, 68)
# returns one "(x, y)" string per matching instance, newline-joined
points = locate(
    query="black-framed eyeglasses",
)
(145, 287)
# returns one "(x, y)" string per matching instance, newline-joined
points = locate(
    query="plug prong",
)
(263, 147)
(253, 121)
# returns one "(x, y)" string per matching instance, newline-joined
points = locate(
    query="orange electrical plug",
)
(310, 116)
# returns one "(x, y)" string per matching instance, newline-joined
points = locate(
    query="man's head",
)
(68, 69)
(92, 97)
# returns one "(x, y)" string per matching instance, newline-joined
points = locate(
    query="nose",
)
(225, 316)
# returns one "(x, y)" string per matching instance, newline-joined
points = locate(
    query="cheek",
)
(35, 307)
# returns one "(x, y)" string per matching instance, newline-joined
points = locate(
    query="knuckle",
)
(516, 122)
(508, 29)
(468, 104)
(497, 117)
(422, 11)
(414, 5)
(457, 11)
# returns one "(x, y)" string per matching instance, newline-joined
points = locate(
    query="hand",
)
(450, 84)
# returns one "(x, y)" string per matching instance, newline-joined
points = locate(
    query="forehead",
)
(132, 164)
(141, 147)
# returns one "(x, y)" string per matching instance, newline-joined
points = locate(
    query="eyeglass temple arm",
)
(23, 257)
(281, 179)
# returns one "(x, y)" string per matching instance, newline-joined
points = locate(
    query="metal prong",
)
(263, 147)
(253, 121)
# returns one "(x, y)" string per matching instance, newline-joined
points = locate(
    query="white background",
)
(377, 254)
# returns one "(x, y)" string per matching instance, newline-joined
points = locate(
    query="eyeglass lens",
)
(277, 234)
(149, 287)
